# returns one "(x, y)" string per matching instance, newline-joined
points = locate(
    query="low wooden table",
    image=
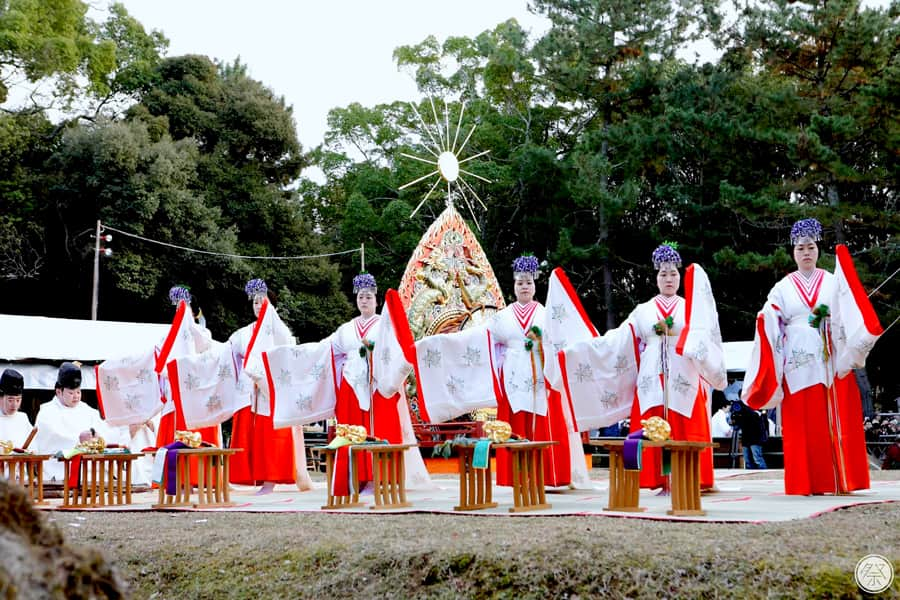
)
(475, 486)
(388, 477)
(105, 480)
(624, 485)
(528, 474)
(212, 479)
(28, 471)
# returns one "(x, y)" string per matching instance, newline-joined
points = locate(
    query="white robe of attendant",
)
(15, 428)
(59, 427)
(144, 437)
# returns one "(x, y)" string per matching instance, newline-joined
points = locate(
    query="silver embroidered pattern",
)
(702, 352)
(385, 356)
(361, 379)
(622, 365)
(646, 382)
(609, 399)
(304, 403)
(454, 385)
(111, 383)
(558, 313)
(284, 377)
(529, 384)
(584, 372)
(297, 352)
(864, 346)
(432, 358)
(191, 382)
(800, 359)
(224, 372)
(132, 402)
(213, 404)
(681, 385)
(143, 376)
(317, 371)
(472, 356)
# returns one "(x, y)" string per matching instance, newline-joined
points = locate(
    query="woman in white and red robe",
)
(659, 362)
(501, 363)
(269, 454)
(804, 360)
(526, 402)
(185, 338)
(358, 401)
(681, 397)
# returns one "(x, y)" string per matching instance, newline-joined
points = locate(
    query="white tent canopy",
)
(737, 355)
(35, 346)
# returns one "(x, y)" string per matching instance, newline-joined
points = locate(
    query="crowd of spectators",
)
(883, 438)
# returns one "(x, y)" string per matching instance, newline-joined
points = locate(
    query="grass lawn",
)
(291, 555)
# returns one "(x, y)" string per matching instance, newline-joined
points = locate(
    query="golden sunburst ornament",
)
(447, 160)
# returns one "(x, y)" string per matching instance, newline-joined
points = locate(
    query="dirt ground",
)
(302, 555)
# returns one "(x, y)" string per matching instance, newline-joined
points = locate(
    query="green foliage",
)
(55, 40)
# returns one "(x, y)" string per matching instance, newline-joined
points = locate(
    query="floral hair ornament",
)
(364, 281)
(256, 287)
(527, 264)
(178, 293)
(806, 230)
(666, 254)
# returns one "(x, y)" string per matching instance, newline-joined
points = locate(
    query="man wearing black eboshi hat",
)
(14, 425)
(65, 420)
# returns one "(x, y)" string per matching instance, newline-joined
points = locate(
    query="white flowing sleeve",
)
(600, 375)
(854, 325)
(701, 339)
(565, 323)
(209, 387)
(300, 383)
(455, 373)
(128, 389)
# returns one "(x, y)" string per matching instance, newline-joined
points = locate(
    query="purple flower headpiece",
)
(178, 293)
(256, 287)
(364, 281)
(526, 264)
(806, 228)
(666, 254)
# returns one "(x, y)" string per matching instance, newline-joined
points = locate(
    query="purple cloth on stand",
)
(631, 450)
(171, 462)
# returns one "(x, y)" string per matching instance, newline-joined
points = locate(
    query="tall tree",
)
(249, 156)
(596, 58)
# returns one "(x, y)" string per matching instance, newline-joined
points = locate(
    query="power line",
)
(224, 254)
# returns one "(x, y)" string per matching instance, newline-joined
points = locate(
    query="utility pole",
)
(98, 236)
(96, 272)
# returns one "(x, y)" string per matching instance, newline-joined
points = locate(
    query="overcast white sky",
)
(322, 54)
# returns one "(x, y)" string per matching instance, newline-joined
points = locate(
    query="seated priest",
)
(14, 425)
(65, 421)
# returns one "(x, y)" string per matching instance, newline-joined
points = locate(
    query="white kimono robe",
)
(59, 427)
(15, 428)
